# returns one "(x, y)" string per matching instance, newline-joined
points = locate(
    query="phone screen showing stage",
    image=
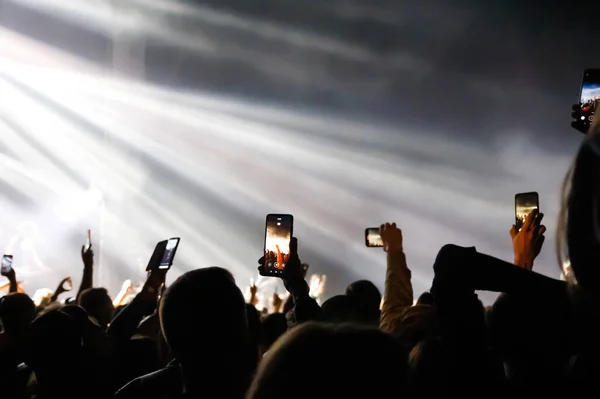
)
(169, 254)
(525, 203)
(7, 261)
(373, 238)
(278, 234)
(589, 96)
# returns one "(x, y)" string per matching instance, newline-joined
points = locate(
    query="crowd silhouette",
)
(200, 338)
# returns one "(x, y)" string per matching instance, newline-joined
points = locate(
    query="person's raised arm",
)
(460, 271)
(253, 294)
(126, 323)
(305, 308)
(126, 289)
(87, 279)
(64, 286)
(11, 275)
(398, 291)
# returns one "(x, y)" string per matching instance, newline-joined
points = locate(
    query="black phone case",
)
(156, 256)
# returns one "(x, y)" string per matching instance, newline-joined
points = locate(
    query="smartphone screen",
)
(7, 261)
(588, 96)
(525, 203)
(278, 234)
(373, 238)
(157, 256)
(169, 253)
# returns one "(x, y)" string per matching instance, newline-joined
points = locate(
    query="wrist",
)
(524, 261)
(299, 288)
(395, 250)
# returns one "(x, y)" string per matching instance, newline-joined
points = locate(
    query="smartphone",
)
(589, 95)
(373, 238)
(157, 255)
(525, 203)
(88, 240)
(6, 266)
(169, 254)
(278, 234)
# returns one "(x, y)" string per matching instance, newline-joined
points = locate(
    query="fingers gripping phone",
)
(6, 265)
(373, 238)
(164, 254)
(589, 96)
(278, 234)
(525, 203)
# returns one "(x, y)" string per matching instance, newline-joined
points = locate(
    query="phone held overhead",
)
(279, 229)
(163, 255)
(589, 96)
(6, 266)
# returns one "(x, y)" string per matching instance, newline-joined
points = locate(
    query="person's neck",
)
(208, 378)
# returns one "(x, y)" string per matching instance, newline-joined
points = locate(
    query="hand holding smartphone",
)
(6, 266)
(373, 237)
(525, 203)
(164, 254)
(279, 229)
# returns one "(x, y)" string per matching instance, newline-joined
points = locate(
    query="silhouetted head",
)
(368, 298)
(531, 335)
(16, 312)
(352, 360)
(341, 309)
(98, 304)
(273, 327)
(429, 362)
(577, 243)
(204, 321)
(254, 324)
(445, 369)
(55, 340)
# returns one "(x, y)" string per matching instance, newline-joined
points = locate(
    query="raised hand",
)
(293, 273)
(528, 242)
(277, 303)
(87, 256)
(65, 285)
(127, 286)
(391, 237)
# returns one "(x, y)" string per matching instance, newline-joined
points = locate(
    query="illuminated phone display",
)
(525, 203)
(169, 254)
(278, 234)
(373, 238)
(7, 261)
